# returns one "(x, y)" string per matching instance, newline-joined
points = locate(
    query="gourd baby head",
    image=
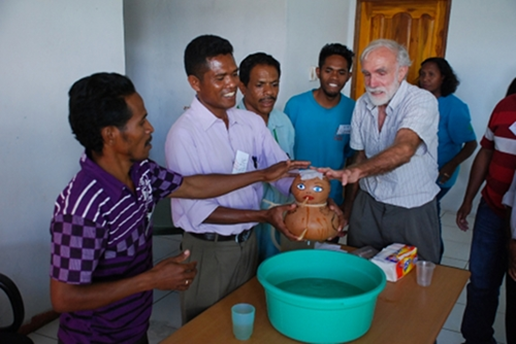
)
(310, 187)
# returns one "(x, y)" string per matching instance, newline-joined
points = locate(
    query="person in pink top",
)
(212, 135)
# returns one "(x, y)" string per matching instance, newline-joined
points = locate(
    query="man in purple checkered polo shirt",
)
(101, 271)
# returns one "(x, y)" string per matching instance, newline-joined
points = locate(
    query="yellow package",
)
(396, 260)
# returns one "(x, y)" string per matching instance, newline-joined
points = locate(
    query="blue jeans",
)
(510, 313)
(488, 263)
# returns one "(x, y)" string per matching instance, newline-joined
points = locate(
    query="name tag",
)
(344, 129)
(241, 161)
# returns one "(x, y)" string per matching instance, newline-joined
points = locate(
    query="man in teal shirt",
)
(322, 117)
(259, 83)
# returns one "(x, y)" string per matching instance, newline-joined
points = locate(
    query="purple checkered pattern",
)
(101, 231)
(77, 245)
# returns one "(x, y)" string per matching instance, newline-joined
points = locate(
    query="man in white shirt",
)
(394, 131)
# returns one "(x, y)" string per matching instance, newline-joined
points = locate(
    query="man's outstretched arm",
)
(402, 150)
(213, 185)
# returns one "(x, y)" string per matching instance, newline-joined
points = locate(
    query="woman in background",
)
(457, 140)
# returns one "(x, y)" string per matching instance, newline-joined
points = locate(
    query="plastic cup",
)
(425, 270)
(242, 315)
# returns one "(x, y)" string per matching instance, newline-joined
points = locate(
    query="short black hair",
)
(336, 49)
(97, 101)
(200, 49)
(450, 80)
(247, 65)
(512, 88)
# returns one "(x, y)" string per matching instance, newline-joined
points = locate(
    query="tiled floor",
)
(165, 317)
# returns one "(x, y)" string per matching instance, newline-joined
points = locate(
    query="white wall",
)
(45, 47)
(481, 48)
(311, 25)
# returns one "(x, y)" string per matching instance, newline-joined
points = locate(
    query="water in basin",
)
(320, 287)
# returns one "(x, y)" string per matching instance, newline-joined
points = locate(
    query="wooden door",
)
(420, 25)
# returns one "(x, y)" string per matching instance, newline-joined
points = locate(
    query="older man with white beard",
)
(394, 131)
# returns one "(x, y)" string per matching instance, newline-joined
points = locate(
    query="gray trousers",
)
(379, 225)
(222, 267)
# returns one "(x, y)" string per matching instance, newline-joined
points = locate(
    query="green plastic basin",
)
(320, 296)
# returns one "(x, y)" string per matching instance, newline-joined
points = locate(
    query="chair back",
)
(12, 292)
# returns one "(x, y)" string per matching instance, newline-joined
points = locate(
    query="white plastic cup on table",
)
(425, 270)
(242, 315)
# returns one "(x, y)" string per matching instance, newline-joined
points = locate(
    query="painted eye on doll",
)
(301, 186)
(318, 188)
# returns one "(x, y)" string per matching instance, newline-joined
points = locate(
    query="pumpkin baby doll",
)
(312, 219)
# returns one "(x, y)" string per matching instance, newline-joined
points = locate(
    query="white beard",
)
(386, 93)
